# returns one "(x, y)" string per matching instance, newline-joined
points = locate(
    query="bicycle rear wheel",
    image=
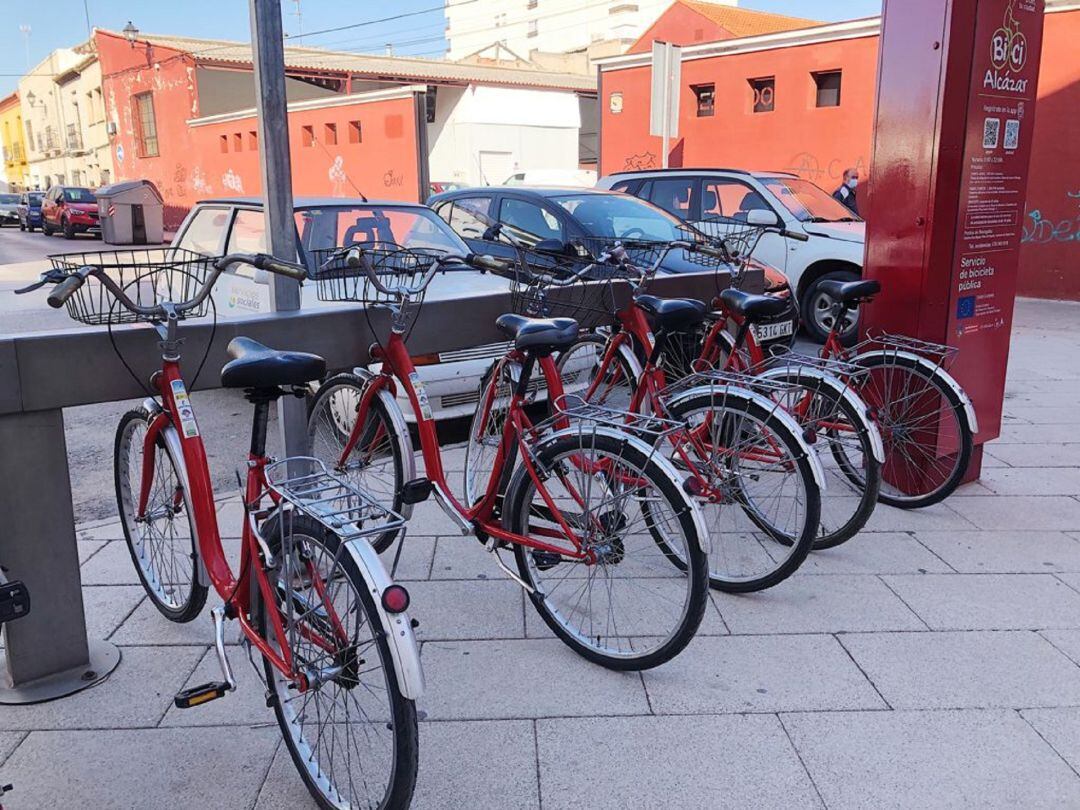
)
(756, 487)
(162, 543)
(351, 734)
(924, 429)
(631, 608)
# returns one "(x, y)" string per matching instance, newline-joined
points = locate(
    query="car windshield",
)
(9, 199)
(620, 217)
(35, 198)
(322, 228)
(807, 202)
(79, 195)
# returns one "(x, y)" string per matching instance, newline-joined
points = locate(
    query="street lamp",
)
(130, 33)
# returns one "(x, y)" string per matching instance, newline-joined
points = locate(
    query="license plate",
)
(764, 332)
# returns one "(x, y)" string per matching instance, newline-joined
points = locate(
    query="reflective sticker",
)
(183, 407)
(421, 395)
(651, 338)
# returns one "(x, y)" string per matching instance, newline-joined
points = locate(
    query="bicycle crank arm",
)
(204, 693)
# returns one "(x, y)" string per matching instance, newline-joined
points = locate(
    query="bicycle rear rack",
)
(340, 506)
(939, 353)
(584, 415)
(722, 382)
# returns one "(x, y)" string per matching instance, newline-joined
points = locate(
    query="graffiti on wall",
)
(822, 172)
(1042, 230)
(392, 178)
(337, 176)
(232, 181)
(645, 160)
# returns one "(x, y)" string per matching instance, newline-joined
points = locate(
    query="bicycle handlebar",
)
(65, 289)
(356, 259)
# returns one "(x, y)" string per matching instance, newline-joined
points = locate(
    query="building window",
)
(224, 143)
(532, 28)
(356, 135)
(764, 94)
(148, 141)
(30, 132)
(238, 142)
(531, 4)
(828, 88)
(253, 140)
(706, 98)
(330, 134)
(104, 177)
(307, 136)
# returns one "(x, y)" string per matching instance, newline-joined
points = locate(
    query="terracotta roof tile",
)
(742, 22)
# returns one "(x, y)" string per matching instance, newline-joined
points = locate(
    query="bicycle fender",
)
(152, 408)
(841, 390)
(734, 392)
(649, 452)
(401, 430)
(399, 632)
(934, 370)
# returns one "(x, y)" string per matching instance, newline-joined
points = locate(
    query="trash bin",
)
(131, 213)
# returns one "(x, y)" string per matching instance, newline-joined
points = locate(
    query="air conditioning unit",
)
(110, 128)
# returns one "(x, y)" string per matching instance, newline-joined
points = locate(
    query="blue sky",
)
(62, 23)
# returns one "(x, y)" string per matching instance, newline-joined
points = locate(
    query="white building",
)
(554, 26)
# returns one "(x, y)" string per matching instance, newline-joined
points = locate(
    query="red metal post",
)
(952, 141)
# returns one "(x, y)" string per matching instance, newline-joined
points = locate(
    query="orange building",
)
(802, 100)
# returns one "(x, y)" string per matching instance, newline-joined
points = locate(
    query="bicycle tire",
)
(487, 419)
(662, 480)
(185, 567)
(402, 715)
(964, 435)
(329, 424)
(799, 540)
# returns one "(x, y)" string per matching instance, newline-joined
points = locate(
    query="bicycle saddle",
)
(753, 307)
(257, 366)
(672, 314)
(850, 291)
(541, 336)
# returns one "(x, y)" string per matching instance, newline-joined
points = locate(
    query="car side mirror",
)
(762, 217)
(555, 246)
(491, 233)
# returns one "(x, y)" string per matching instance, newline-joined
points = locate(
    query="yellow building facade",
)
(15, 168)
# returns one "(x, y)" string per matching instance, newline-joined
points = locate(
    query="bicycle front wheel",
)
(161, 541)
(631, 606)
(351, 734)
(755, 484)
(377, 461)
(924, 429)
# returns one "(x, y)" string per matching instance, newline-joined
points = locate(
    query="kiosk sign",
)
(997, 148)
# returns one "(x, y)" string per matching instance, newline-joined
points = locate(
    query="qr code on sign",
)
(991, 131)
(1012, 133)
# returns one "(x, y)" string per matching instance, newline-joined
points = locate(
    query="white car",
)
(219, 226)
(585, 178)
(715, 200)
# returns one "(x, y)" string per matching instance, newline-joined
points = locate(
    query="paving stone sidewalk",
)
(932, 661)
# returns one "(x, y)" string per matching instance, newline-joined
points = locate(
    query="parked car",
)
(29, 210)
(71, 210)
(9, 214)
(585, 178)
(591, 217)
(219, 226)
(834, 249)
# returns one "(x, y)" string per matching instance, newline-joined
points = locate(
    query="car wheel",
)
(69, 229)
(30, 228)
(45, 229)
(22, 225)
(819, 313)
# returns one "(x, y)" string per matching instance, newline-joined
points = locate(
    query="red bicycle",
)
(925, 419)
(311, 597)
(579, 501)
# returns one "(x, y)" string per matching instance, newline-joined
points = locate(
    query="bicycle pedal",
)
(416, 491)
(198, 695)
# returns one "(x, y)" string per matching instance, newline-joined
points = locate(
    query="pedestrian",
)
(846, 193)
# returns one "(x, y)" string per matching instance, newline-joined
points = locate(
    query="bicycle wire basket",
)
(149, 277)
(337, 280)
(738, 238)
(593, 300)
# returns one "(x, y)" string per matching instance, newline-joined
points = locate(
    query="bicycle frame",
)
(397, 366)
(178, 416)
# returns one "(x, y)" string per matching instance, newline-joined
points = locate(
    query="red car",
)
(69, 209)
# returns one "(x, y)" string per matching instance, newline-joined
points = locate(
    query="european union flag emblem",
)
(965, 307)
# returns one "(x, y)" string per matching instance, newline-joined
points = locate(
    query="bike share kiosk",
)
(953, 131)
